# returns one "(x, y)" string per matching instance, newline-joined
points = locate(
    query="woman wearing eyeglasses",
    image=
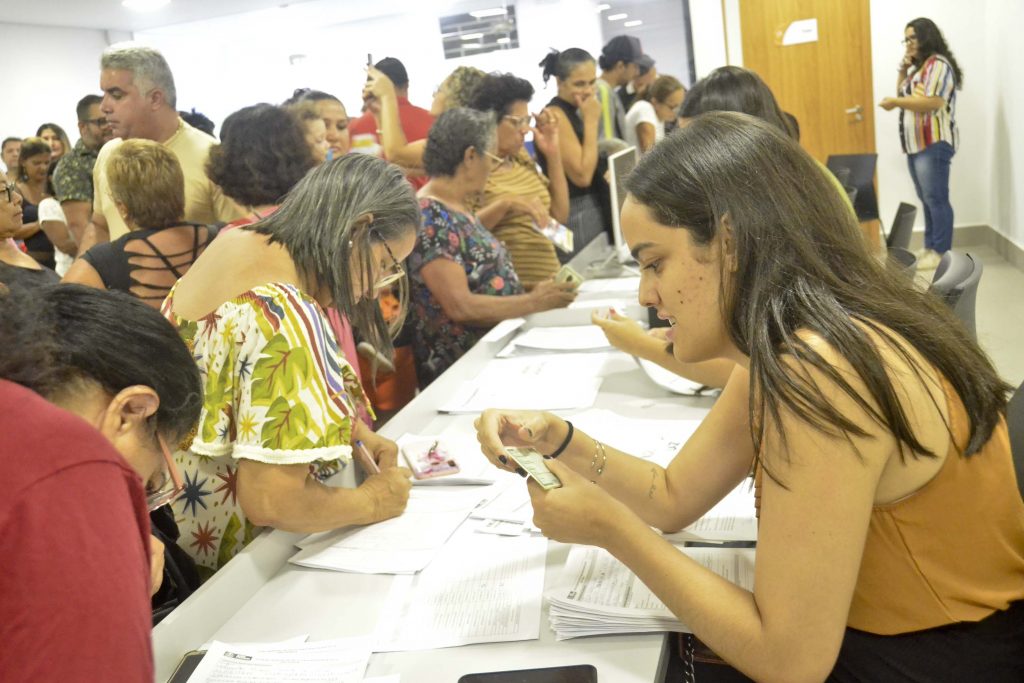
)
(518, 199)
(280, 411)
(87, 417)
(463, 281)
(927, 80)
(17, 269)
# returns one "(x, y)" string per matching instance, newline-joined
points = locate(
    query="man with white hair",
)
(140, 101)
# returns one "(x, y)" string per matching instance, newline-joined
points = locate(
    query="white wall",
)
(249, 54)
(1004, 103)
(46, 71)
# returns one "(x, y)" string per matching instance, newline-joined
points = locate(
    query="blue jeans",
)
(929, 169)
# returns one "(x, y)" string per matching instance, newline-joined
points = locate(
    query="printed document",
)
(329, 661)
(482, 589)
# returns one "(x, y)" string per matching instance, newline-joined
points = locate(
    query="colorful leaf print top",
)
(458, 237)
(276, 390)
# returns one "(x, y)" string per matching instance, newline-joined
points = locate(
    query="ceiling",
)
(110, 15)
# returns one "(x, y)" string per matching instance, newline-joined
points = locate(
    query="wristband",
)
(565, 443)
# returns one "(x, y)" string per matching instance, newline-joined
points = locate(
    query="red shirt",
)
(416, 123)
(74, 538)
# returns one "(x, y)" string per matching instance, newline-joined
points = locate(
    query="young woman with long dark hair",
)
(891, 530)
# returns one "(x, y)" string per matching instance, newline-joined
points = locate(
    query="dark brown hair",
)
(733, 88)
(930, 42)
(803, 265)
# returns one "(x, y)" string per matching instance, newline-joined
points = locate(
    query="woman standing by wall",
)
(929, 77)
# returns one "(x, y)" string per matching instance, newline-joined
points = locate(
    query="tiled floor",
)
(1000, 312)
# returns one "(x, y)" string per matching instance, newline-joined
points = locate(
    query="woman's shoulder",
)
(273, 300)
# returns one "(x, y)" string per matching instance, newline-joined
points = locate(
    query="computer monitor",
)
(620, 165)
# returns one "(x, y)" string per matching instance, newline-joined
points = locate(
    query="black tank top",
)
(39, 244)
(597, 183)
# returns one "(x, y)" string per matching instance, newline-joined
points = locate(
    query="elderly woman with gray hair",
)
(280, 405)
(462, 277)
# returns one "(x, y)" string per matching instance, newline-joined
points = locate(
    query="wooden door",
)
(826, 83)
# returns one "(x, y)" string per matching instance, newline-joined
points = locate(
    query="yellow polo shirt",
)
(204, 201)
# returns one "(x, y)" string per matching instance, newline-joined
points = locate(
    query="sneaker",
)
(929, 261)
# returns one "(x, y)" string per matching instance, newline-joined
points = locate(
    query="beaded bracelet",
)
(565, 443)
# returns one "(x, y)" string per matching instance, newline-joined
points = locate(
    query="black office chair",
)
(902, 226)
(857, 171)
(903, 261)
(956, 282)
(1015, 422)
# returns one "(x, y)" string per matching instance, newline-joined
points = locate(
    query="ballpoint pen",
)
(365, 458)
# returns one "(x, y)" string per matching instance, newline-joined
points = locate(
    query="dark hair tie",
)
(565, 443)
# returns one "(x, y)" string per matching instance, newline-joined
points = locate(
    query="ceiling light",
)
(144, 5)
(617, 17)
(602, 7)
(493, 12)
(472, 36)
(635, 22)
(504, 41)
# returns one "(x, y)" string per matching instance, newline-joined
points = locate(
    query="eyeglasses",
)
(396, 274)
(520, 122)
(909, 39)
(495, 160)
(101, 121)
(169, 486)
(11, 190)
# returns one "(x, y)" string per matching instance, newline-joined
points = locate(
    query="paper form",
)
(334, 661)
(482, 589)
(404, 544)
(597, 594)
(572, 338)
(511, 505)
(734, 518)
(656, 440)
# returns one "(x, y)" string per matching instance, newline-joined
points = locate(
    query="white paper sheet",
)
(511, 505)
(655, 440)
(733, 518)
(673, 382)
(570, 338)
(402, 545)
(606, 285)
(547, 382)
(482, 589)
(334, 661)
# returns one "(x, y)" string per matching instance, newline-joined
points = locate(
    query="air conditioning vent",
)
(479, 31)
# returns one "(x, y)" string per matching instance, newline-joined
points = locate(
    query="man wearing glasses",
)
(72, 179)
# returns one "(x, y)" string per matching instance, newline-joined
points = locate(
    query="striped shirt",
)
(918, 130)
(533, 255)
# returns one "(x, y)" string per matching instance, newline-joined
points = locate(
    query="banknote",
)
(533, 462)
(568, 274)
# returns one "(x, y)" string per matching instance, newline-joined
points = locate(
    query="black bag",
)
(181, 578)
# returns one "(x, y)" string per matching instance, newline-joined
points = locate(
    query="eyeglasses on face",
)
(167, 484)
(101, 121)
(909, 39)
(396, 271)
(519, 122)
(11, 190)
(495, 160)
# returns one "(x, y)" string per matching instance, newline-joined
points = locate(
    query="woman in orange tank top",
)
(891, 529)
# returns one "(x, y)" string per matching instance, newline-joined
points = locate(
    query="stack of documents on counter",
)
(329, 661)
(402, 545)
(558, 339)
(734, 518)
(598, 595)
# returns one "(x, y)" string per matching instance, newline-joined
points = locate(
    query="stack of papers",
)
(673, 382)
(598, 595)
(483, 589)
(329, 661)
(656, 440)
(402, 545)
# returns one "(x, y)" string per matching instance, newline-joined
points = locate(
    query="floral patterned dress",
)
(438, 340)
(276, 390)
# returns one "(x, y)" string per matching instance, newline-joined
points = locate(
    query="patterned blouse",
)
(440, 341)
(918, 130)
(276, 390)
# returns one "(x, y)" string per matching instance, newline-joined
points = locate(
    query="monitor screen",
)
(620, 165)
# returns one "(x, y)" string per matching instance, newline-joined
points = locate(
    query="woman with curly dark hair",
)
(927, 80)
(262, 154)
(148, 185)
(518, 199)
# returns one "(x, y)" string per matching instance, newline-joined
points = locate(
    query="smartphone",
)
(187, 666)
(579, 673)
(369, 59)
(429, 459)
